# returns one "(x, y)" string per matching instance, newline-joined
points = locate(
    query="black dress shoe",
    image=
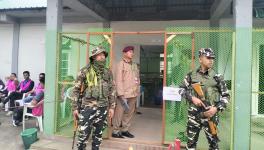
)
(139, 113)
(127, 134)
(117, 135)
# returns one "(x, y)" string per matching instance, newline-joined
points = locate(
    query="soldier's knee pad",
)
(95, 146)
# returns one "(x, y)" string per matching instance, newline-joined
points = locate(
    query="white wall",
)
(6, 39)
(32, 46)
(31, 55)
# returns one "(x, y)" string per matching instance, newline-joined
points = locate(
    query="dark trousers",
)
(11, 99)
(5, 92)
(91, 118)
(194, 125)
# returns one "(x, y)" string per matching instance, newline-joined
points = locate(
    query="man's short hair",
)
(14, 74)
(42, 74)
(26, 72)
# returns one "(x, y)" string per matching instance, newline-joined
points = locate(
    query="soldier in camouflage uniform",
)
(97, 100)
(216, 97)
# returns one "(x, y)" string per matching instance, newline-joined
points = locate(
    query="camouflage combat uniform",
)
(216, 94)
(97, 98)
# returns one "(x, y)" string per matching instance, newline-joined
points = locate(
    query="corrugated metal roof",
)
(18, 4)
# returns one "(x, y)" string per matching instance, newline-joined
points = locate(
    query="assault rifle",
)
(198, 89)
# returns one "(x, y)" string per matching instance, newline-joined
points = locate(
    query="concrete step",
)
(64, 143)
(126, 144)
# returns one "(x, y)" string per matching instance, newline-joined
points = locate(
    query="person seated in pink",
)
(36, 105)
(38, 89)
(11, 85)
(24, 87)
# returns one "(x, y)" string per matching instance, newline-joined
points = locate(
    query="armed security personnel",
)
(97, 97)
(202, 111)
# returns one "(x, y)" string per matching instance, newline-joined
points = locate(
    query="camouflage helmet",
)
(97, 51)
(208, 52)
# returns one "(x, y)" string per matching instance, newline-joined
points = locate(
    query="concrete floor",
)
(10, 138)
(146, 127)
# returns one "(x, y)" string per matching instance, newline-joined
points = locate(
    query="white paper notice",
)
(171, 93)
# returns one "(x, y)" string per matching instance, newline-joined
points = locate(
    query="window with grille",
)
(65, 61)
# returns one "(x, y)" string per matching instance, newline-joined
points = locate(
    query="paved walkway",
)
(146, 137)
(10, 136)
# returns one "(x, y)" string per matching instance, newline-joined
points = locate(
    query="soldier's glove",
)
(124, 104)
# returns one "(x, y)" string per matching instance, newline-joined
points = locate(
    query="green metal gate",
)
(257, 111)
(181, 48)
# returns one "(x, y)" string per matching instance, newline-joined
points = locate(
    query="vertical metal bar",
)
(110, 66)
(233, 89)
(58, 51)
(87, 47)
(164, 84)
(193, 49)
(78, 57)
(111, 51)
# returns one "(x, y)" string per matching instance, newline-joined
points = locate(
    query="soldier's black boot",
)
(213, 147)
(191, 145)
(81, 146)
(95, 148)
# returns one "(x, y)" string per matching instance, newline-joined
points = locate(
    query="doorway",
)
(151, 75)
(148, 54)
